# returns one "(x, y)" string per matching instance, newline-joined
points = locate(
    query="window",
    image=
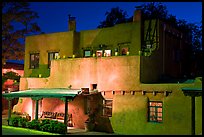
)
(99, 53)
(107, 107)
(107, 53)
(34, 60)
(124, 51)
(87, 53)
(51, 56)
(155, 111)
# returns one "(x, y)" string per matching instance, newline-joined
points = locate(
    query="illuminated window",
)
(34, 60)
(107, 53)
(99, 53)
(51, 56)
(155, 111)
(124, 51)
(87, 53)
(107, 107)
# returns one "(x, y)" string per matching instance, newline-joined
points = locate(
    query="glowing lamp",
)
(40, 75)
(128, 53)
(94, 54)
(64, 57)
(116, 53)
(73, 56)
(140, 52)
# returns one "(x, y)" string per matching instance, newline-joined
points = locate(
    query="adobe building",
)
(132, 71)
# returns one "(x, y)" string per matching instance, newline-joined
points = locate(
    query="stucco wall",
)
(62, 42)
(109, 73)
(130, 111)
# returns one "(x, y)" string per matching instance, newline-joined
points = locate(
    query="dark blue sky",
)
(53, 16)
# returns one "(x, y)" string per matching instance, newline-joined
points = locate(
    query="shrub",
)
(45, 127)
(23, 121)
(34, 124)
(14, 121)
(60, 128)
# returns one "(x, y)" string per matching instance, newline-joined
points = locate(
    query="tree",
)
(115, 16)
(17, 22)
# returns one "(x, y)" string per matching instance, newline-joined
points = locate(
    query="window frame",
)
(34, 64)
(85, 53)
(53, 57)
(154, 109)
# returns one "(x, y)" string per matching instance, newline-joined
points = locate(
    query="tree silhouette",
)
(115, 16)
(17, 22)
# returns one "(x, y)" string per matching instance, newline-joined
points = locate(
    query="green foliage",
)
(23, 122)
(14, 121)
(34, 124)
(10, 75)
(59, 128)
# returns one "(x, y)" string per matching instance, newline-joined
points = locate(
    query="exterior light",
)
(73, 56)
(128, 53)
(94, 54)
(64, 57)
(140, 52)
(116, 53)
(40, 75)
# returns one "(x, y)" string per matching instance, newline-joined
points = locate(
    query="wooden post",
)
(36, 109)
(66, 113)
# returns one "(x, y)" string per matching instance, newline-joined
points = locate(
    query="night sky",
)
(53, 16)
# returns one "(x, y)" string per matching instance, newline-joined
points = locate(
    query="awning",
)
(192, 91)
(44, 93)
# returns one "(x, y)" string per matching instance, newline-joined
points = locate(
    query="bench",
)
(55, 116)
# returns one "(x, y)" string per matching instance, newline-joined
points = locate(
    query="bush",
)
(34, 124)
(23, 121)
(60, 128)
(14, 121)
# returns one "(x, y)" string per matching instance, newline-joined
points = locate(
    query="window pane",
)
(159, 109)
(107, 53)
(124, 51)
(152, 108)
(87, 53)
(152, 103)
(159, 104)
(99, 53)
(34, 60)
(159, 114)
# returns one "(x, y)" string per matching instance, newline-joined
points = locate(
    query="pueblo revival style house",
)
(128, 77)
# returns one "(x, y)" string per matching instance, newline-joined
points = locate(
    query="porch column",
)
(193, 93)
(9, 106)
(66, 113)
(36, 106)
(193, 114)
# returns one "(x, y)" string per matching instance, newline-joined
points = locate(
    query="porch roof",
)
(44, 93)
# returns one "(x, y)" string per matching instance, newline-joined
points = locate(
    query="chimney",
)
(137, 14)
(71, 23)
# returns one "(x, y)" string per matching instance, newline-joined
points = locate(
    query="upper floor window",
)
(34, 60)
(99, 53)
(125, 51)
(107, 107)
(87, 53)
(155, 111)
(107, 53)
(51, 56)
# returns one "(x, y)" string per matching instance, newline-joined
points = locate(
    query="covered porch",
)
(37, 94)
